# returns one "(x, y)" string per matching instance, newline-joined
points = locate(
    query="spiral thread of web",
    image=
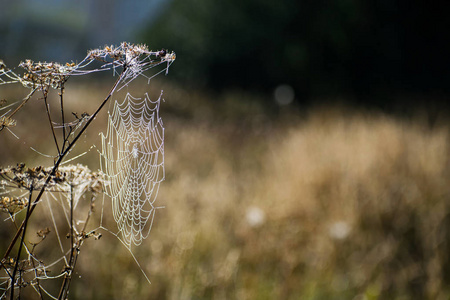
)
(132, 160)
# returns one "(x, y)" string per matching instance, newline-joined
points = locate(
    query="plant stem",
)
(60, 159)
(62, 117)
(70, 267)
(47, 109)
(22, 241)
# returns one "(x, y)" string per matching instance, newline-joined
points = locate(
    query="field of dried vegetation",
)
(328, 203)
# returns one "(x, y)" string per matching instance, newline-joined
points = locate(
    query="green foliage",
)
(321, 48)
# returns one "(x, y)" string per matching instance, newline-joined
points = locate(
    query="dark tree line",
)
(322, 48)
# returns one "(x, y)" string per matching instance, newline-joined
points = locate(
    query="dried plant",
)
(60, 187)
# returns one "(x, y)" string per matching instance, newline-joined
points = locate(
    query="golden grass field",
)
(328, 203)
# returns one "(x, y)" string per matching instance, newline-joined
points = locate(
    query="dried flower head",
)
(82, 177)
(77, 176)
(135, 59)
(43, 75)
(43, 232)
(12, 205)
(7, 122)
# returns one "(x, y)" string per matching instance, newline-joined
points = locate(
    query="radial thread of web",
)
(132, 161)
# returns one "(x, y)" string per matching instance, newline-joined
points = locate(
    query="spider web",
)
(132, 168)
(132, 161)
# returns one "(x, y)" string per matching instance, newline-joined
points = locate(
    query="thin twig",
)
(47, 109)
(37, 279)
(62, 117)
(69, 268)
(30, 254)
(27, 217)
(6, 269)
(25, 100)
(89, 214)
(60, 159)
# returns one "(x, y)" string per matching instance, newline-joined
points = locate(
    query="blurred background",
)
(307, 144)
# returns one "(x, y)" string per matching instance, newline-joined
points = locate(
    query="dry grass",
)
(335, 205)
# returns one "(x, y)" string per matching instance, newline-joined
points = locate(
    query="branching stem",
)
(58, 162)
